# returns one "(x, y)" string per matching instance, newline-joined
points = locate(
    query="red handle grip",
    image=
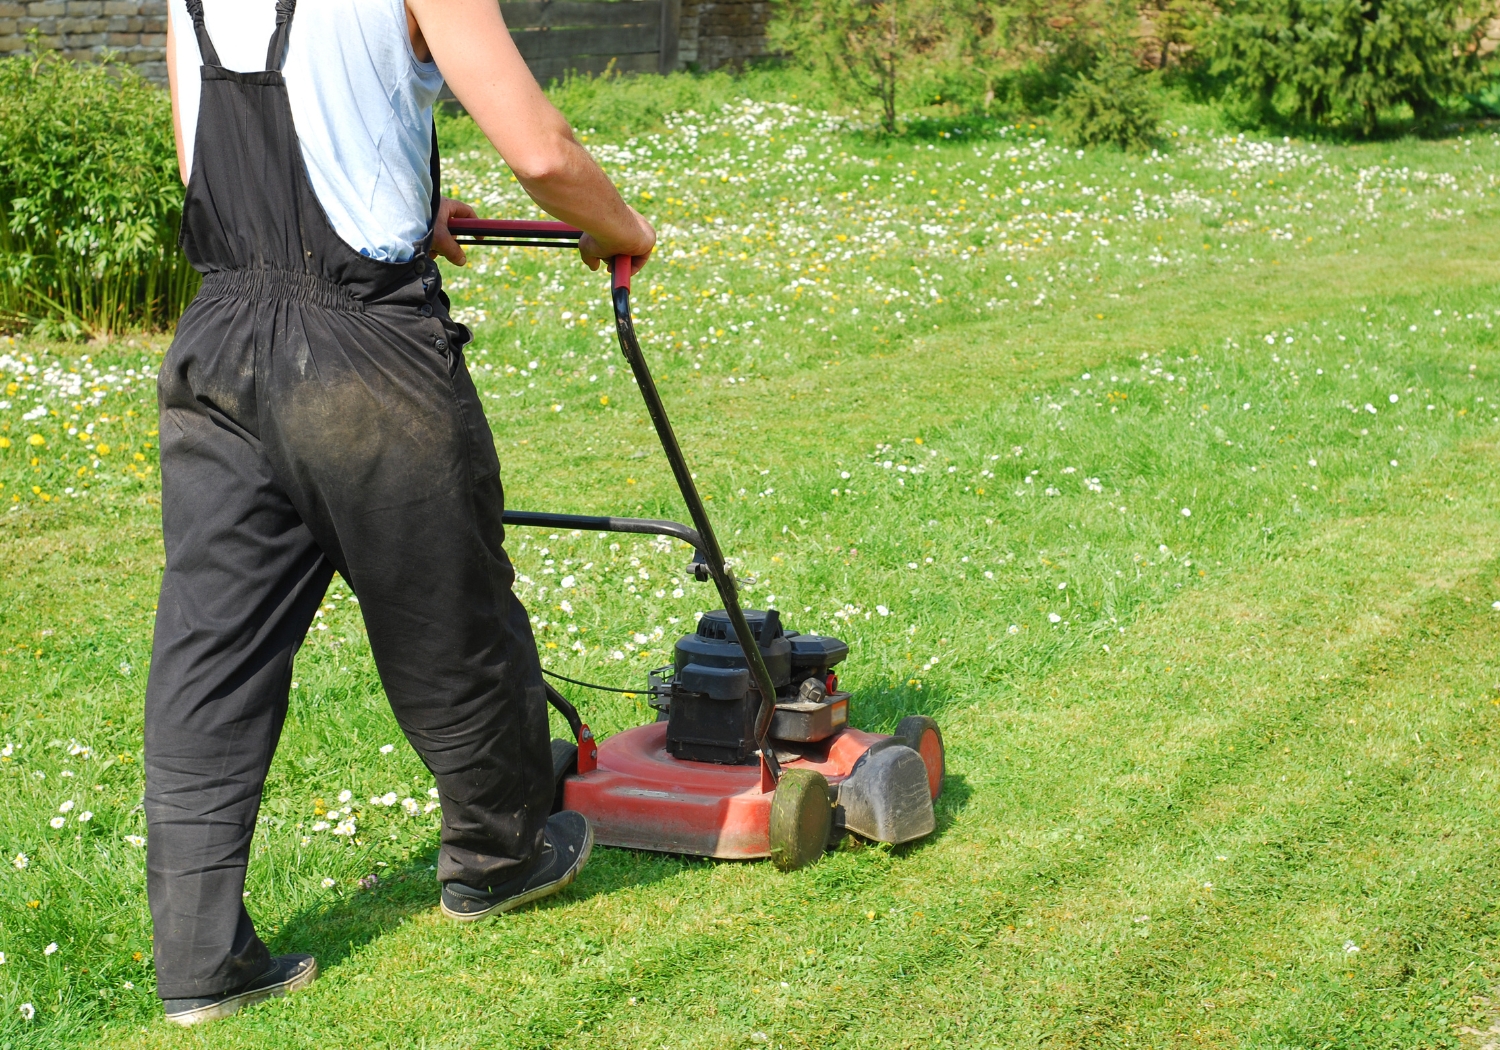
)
(621, 272)
(513, 227)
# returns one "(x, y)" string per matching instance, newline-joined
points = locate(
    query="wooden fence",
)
(585, 36)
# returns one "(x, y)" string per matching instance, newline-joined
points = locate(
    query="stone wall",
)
(718, 33)
(136, 30)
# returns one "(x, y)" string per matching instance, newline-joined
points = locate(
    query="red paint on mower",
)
(640, 797)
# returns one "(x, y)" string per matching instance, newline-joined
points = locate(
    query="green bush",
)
(1026, 55)
(91, 199)
(1342, 63)
(1113, 104)
(984, 56)
(892, 52)
(1485, 101)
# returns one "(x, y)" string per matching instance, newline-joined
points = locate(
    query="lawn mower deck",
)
(751, 754)
(640, 797)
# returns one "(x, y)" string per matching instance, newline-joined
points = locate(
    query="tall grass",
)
(91, 200)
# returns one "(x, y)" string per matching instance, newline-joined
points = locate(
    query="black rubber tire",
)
(564, 764)
(911, 732)
(801, 819)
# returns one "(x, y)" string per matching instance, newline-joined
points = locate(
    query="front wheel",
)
(801, 819)
(923, 736)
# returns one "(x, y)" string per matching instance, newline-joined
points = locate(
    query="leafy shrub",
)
(1028, 53)
(891, 51)
(1344, 62)
(1171, 29)
(91, 199)
(1018, 55)
(1486, 101)
(1115, 104)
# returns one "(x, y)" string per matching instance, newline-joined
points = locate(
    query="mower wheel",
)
(564, 765)
(801, 819)
(923, 736)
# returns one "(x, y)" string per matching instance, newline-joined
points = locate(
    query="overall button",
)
(441, 344)
(426, 310)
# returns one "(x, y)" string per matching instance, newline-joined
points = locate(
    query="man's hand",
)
(442, 241)
(595, 250)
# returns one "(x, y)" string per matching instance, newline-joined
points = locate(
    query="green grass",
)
(1256, 736)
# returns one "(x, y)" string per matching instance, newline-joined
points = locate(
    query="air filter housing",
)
(713, 695)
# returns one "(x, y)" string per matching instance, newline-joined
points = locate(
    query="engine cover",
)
(713, 698)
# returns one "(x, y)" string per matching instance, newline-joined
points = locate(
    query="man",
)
(317, 416)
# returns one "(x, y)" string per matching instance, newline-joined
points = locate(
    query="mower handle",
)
(531, 233)
(528, 233)
(542, 234)
(595, 523)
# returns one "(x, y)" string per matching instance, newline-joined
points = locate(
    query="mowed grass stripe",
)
(1223, 795)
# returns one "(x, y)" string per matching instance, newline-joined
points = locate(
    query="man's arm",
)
(472, 47)
(182, 171)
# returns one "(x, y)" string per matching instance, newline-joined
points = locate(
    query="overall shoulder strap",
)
(206, 50)
(276, 51)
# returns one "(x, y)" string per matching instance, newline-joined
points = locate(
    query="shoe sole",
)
(235, 1003)
(530, 896)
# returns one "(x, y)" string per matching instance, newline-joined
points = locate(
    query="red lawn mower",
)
(751, 754)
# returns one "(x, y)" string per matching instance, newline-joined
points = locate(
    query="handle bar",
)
(530, 233)
(542, 234)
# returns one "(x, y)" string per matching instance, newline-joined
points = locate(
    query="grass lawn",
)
(1167, 484)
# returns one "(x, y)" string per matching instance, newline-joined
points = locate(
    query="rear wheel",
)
(801, 819)
(923, 736)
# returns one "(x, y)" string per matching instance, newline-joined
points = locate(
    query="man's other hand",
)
(442, 241)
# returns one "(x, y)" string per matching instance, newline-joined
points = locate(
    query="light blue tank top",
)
(361, 102)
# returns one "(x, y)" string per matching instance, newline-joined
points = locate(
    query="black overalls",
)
(317, 416)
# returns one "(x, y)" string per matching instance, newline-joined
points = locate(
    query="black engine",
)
(711, 699)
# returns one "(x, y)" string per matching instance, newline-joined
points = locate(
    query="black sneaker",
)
(566, 843)
(288, 973)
